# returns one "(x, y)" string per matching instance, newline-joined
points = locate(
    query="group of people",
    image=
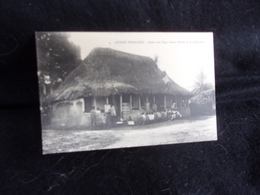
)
(147, 118)
(173, 114)
(123, 121)
(169, 114)
(102, 120)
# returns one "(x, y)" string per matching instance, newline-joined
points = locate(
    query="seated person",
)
(169, 114)
(173, 116)
(147, 117)
(121, 121)
(151, 116)
(154, 107)
(130, 121)
(164, 115)
(157, 116)
(178, 114)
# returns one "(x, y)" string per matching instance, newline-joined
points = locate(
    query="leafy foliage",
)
(201, 84)
(203, 101)
(57, 57)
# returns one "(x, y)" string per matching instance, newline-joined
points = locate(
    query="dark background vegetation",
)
(227, 166)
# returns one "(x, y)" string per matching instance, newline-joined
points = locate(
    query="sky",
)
(182, 55)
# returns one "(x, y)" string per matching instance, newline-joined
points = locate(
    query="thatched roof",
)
(204, 97)
(108, 72)
(174, 88)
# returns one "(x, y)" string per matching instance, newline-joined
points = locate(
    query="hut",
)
(131, 83)
(177, 96)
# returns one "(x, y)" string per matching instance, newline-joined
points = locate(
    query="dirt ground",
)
(169, 132)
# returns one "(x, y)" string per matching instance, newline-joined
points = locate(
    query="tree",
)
(201, 83)
(203, 101)
(57, 57)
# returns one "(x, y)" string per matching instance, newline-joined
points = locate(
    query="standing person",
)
(108, 120)
(113, 115)
(98, 118)
(173, 105)
(104, 120)
(93, 118)
(143, 119)
(154, 107)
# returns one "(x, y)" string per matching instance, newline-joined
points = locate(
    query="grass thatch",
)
(175, 89)
(108, 72)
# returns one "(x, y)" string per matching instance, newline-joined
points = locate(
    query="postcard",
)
(107, 90)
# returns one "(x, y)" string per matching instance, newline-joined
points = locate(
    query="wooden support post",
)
(153, 99)
(51, 90)
(44, 89)
(83, 104)
(120, 104)
(94, 102)
(165, 102)
(107, 100)
(177, 102)
(147, 105)
(139, 102)
(113, 100)
(131, 102)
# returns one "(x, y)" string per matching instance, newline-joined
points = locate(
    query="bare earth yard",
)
(169, 132)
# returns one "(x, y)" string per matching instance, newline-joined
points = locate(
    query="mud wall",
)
(69, 114)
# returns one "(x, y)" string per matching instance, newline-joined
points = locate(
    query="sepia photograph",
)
(106, 90)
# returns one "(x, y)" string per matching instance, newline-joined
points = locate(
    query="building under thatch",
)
(203, 103)
(131, 83)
